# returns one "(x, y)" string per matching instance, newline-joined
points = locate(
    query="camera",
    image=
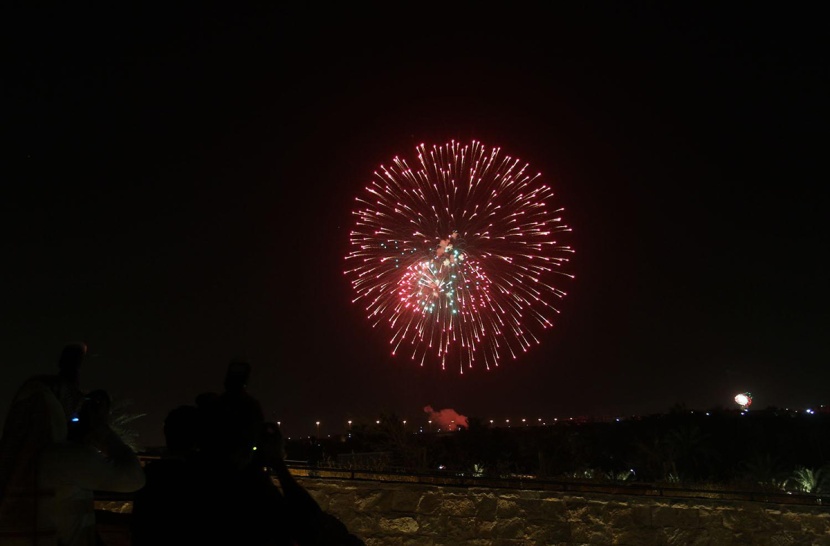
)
(94, 404)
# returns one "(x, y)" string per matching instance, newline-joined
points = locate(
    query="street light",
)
(318, 429)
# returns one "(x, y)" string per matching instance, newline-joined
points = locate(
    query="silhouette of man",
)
(47, 480)
(168, 510)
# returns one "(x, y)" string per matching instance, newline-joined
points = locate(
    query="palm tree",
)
(765, 470)
(120, 420)
(808, 480)
(680, 454)
(689, 450)
(652, 461)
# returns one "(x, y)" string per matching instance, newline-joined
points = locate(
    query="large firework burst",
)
(458, 256)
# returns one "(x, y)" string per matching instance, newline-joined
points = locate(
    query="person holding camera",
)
(57, 449)
(226, 471)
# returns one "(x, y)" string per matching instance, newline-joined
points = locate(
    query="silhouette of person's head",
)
(235, 418)
(69, 363)
(66, 383)
(237, 376)
(183, 430)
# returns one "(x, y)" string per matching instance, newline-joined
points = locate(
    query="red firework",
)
(458, 256)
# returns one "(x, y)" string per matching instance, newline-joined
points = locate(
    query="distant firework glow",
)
(744, 399)
(458, 256)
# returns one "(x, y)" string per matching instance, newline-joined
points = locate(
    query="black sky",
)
(178, 186)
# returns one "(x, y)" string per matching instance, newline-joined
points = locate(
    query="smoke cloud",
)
(446, 419)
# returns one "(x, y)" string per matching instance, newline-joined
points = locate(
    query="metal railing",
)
(303, 469)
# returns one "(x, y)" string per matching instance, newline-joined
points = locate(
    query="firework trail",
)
(458, 255)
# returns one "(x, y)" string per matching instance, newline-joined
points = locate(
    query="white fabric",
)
(49, 482)
(75, 471)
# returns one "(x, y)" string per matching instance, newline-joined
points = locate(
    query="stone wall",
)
(397, 513)
(406, 514)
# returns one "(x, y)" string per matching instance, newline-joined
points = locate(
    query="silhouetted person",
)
(167, 510)
(308, 523)
(235, 417)
(206, 399)
(233, 498)
(242, 496)
(69, 364)
(48, 478)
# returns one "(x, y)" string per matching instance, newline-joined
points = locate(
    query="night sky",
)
(178, 187)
